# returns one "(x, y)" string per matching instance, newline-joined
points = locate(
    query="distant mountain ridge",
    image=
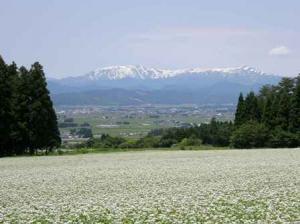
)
(142, 72)
(195, 84)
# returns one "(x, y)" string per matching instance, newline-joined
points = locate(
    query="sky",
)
(73, 37)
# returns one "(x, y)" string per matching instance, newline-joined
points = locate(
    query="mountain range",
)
(135, 85)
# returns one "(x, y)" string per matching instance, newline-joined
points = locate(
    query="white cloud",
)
(280, 51)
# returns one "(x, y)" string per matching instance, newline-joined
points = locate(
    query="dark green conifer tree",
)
(240, 111)
(22, 102)
(44, 133)
(12, 70)
(8, 78)
(284, 102)
(268, 114)
(5, 110)
(283, 116)
(27, 118)
(294, 125)
(252, 110)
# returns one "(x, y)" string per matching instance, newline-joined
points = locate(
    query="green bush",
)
(105, 141)
(250, 135)
(216, 133)
(280, 138)
(148, 142)
(166, 143)
(85, 133)
(82, 151)
(129, 144)
(191, 141)
(182, 147)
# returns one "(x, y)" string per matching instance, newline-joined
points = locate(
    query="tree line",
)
(215, 133)
(270, 118)
(28, 122)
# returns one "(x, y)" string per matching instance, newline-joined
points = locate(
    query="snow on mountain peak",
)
(229, 70)
(142, 72)
(129, 71)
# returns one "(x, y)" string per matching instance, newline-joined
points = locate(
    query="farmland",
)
(136, 121)
(216, 186)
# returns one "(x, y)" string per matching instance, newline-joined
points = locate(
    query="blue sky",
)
(72, 37)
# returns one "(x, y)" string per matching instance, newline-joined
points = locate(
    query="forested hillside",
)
(27, 119)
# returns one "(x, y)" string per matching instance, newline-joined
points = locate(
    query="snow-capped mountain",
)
(121, 84)
(129, 71)
(142, 72)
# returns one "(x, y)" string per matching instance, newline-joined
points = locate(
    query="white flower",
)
(253, 186)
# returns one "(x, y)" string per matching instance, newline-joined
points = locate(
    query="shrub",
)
(191, 141)
(107, 141)
(216, 133)
(82, 150)
(129, 144)
(250, 135)
(281, 138)
(148, 142)
(166, 143)
(85, 133)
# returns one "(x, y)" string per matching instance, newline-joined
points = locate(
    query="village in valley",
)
(134, 121)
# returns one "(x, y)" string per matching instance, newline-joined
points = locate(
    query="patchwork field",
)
(136, 121)
(219, 186)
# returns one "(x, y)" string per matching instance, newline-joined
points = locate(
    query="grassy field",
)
(132, 127)
(215, 186)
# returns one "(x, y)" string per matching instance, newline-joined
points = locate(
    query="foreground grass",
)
(210, 186)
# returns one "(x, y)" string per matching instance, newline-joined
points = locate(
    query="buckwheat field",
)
(223, 186)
